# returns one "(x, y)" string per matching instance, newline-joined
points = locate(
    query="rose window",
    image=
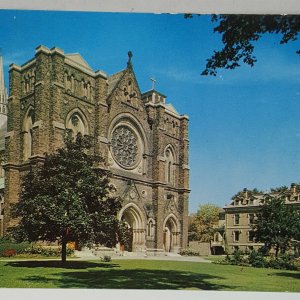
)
(125, 146)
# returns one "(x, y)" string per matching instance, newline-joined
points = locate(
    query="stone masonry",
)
(143, 140)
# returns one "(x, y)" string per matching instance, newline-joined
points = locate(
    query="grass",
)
(145, 274)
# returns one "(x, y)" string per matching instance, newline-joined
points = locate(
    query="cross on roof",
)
(153, 83)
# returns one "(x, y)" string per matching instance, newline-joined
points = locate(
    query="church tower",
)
(3, 94)
(141, 137)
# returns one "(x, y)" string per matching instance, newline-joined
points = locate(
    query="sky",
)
(244, 123)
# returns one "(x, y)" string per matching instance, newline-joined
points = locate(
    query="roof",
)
(171, 108)
(79, 60)
(113, 80)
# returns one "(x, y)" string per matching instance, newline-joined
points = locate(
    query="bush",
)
(256, 259)
(9, 252)
(6, 244)
(189, 252)
(106, 258)
(46, 251)
(283, 261)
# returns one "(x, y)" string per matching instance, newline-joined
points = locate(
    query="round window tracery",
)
(124, 145)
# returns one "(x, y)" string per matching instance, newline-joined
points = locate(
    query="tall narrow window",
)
(251, 236)
(27, 144)
(236, 236)
(236, 219)
(169, 166)
(251, 218)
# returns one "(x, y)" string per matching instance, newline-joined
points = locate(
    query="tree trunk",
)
(276, 250)
(63, 250)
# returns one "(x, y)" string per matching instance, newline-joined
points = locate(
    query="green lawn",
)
(145, 274)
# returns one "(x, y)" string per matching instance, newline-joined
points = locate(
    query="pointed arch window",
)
(151, 228)
(169, 166)
(27, 137)
(76, 123)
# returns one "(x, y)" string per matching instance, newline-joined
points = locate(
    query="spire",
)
(3, 94)
(129, 63)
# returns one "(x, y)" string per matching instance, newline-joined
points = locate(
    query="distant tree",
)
(202, 224)
(68, 199)
(239, 32)
(277, 224)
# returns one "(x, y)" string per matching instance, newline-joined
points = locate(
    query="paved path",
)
(88, 255)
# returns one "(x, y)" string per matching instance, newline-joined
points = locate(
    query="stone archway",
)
(171, 236)
(134, 218)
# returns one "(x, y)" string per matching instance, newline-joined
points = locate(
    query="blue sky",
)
(244, 124)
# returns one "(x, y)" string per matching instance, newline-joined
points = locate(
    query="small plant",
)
(106, 258)
(9, 253)
(189, 252)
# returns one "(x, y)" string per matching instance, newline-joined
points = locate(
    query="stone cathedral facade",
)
(143, 140)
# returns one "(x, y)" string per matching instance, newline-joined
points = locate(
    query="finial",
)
(129, 64)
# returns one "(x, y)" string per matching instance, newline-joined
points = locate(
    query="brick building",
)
(143, 140)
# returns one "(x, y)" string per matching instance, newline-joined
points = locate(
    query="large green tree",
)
(277, 224)
(203, 224)
(239, 34)
(68, 198)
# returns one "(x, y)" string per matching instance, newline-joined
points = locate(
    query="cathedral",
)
(142, 138)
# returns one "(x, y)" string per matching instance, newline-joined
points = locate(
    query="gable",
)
(79, 60)
(123, 87)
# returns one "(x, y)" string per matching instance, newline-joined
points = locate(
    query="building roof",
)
(250, 198)
(78, 59)
(113, 80)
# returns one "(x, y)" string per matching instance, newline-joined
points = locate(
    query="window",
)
(150, 228)
(251, 236)
(76, 123)
(236, 219)
(236, 236)
(251, 219)
(169, 166)
(27, 137)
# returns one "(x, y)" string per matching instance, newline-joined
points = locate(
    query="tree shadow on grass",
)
(131, 279)
(286, 274)
(58, 264)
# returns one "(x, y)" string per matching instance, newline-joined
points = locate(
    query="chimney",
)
(293, 188)
(245, 193)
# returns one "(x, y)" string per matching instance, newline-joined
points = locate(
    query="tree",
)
(239, 32)
(203, 223)
(68, 199)
(277, 224)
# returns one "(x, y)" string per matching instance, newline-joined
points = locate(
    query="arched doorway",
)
(134, 219)
(171, 237)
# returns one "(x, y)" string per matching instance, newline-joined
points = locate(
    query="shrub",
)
(106, 258)
(19, 248)
(189, 252)
(256, 259)
(9, 252)
(46, 251)
(283, 261)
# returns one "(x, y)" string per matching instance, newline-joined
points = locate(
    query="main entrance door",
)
(133, 217)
